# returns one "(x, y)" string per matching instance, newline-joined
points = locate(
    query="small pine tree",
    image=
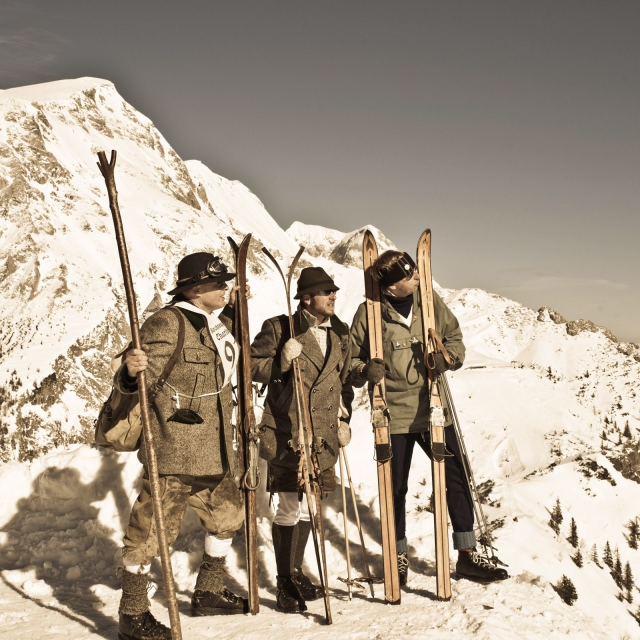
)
(556, 517)
(577, 558)
(627, 578)
(607, 557)
(573, 535)
(606, 420)
(594, 556)
(619, 438)
(627, 431)
(616, 571)
(603, 435)
(633, 535)
(566, 590)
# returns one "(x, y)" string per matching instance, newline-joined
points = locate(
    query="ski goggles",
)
(213, 269)
(400, 270)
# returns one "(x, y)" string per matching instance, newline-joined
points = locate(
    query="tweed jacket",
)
(188, 449)
(324, 381)
(405, 373)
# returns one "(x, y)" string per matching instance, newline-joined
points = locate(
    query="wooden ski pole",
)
(107, 170)
(346, 521)
(370, 578)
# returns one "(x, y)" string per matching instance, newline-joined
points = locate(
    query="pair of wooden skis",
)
(380, 419)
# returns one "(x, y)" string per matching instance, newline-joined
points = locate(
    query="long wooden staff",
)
(107, 170)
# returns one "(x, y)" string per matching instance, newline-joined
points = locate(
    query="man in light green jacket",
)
(408, 401)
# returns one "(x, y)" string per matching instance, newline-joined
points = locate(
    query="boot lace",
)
(403, 562)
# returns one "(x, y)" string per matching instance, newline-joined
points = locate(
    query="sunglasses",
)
(324, 293)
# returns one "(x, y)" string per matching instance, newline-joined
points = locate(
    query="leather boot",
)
(211, 597)
(308, 590)
(136, 621)
(288, 597)
(474, 566)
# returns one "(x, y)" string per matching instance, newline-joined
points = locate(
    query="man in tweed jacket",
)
(323, 347)
(194, 442)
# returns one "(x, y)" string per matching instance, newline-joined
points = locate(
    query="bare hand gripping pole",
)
(107, 170)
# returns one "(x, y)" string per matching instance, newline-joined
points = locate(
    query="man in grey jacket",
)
(408, 401)
(194, 442)
(323, 347)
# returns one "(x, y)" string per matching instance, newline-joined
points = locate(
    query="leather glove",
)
(291, 350)
(441, 365)
(373, 371)
(344, 434)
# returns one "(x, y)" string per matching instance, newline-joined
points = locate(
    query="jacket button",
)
(329, 408)
(313, 390)
(330, 388)
(313, 408)
(331, 426)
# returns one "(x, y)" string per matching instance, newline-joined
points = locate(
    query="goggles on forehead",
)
(214, 268)
(399, 270)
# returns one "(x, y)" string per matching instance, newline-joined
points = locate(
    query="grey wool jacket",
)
(405, 373)
(324, 382)
(187, 449)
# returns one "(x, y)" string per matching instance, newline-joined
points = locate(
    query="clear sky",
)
(511, 128)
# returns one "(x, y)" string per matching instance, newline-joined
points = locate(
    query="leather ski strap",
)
(168, 368)
(440, 348)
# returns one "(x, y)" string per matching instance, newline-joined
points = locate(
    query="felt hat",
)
(200, 268)
(313, 279)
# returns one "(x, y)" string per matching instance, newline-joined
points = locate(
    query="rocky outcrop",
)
(574, 327)
(546, 314)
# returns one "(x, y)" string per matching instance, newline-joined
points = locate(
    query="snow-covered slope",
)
(543, 403)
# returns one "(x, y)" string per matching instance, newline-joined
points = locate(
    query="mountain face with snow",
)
(549, 408)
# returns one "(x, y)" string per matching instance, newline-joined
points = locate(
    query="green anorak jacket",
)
(405, 372)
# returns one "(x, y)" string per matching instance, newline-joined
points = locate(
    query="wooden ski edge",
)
(441, 533)
(246, 422)
(385, 491)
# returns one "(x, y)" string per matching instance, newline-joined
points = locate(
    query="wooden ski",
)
(247, 430)
(436, 418)
(380, 421)
(309, 473)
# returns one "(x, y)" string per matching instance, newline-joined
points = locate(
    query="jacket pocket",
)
(197, 356)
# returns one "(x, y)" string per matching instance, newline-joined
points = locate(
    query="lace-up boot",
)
(474, 566)
(210, 597)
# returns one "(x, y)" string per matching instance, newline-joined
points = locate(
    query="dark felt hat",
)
(200, 268)
(313, 279)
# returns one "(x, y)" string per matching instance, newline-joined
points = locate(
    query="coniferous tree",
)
(627, 431)
(606, 420)
(616, 571)
(627, 578)
(573, 534)
(633, 535)
(619, 438)
(594, 556)
(577, 558)
(556, 517)
(603, 435)
(566, 590)
(607, 557)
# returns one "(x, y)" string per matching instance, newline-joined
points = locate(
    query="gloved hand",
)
(344, 434)
(441, 365)
(373, 371)
(291, 350)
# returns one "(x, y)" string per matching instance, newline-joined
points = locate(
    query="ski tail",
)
(436, 420)
(308, 471)
(380, 422)
(247, 429)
